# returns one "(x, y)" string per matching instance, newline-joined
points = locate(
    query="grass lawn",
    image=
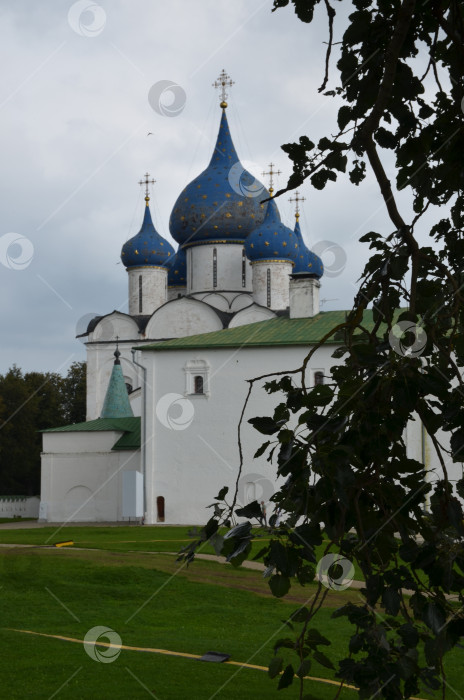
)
(150, 601)
(124, 539)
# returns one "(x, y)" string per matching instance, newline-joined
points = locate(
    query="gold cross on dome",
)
(271, 174)
(297, 199)
(147, 182)
(224, 81)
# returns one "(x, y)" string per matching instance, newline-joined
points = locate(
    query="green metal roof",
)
(273, 332)
(130, 427)
(116, 403)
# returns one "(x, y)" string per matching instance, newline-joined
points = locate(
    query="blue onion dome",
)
(307, 263)
(147, 247)
(272, 240)
(177, 269)
(223, 204)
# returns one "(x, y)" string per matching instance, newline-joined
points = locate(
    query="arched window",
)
(140, 294)
(197, 377)
(198, 384)
(268, 279)
(160, 509)
(214, 267)
(318, 378)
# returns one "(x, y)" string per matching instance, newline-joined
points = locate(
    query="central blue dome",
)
(222, 204)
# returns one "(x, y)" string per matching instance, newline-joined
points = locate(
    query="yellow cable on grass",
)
(167, 652)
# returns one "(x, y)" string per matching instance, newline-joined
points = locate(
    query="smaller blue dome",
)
(307, 263)
(147, 247)
(272, 240)
(177, 269)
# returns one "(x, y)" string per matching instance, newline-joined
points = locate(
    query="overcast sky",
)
(75, 115)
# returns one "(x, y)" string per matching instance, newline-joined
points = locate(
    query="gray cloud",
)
(75, 114)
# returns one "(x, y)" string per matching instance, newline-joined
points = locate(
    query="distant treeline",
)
(29, 403)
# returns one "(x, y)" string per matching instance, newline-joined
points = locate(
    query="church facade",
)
(167, 381)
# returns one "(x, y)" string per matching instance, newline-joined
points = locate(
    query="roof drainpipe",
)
(144, 432)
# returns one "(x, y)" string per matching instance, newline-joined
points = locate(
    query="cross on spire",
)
(147, 182)
(271, 174)
(297, 199)
(224, 81)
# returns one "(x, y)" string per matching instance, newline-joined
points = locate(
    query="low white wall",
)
(19, 506)
(82, 478)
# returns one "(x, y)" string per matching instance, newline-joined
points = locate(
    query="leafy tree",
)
(347, 471)
(30, 403)
(74, 393)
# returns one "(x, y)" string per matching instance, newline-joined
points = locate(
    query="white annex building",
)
(166, 382)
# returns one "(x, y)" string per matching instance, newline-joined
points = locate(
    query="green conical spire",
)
(116, 404)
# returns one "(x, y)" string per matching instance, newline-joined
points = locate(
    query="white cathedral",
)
(167, 382)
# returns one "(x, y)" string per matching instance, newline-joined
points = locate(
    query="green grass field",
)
(152, 602)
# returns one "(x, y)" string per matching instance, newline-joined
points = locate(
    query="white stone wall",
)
(19, 507)
(81, 477)
(176, 292)
(304, 297)
(279, 284)
(192, 446)
(229, 256)
(145, 299)
(251, 314)
(182, 317)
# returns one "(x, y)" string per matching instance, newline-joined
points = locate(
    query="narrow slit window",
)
(140, 294)
(215, 267)
(198, 385)
(244, 260)
(268, 288)
(318, 378)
